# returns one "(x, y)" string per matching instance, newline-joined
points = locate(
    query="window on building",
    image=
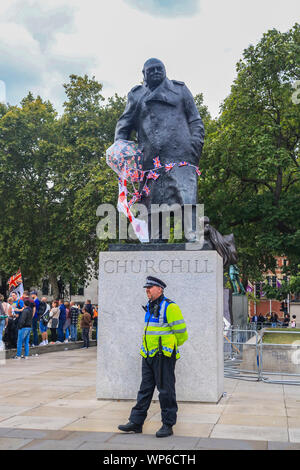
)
(45, 287)
(80, 290)
(76, 289)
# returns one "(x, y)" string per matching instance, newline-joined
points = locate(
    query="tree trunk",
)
(54, 285)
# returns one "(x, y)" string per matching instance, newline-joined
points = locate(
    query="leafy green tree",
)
(53, 177)
(294, 283)
(88, 128)
(250, 183)
(28, 141)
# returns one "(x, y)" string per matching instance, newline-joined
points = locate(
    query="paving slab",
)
(293, 412)
(192, 418)
(38, 434)
(253, 420)
(184, 443)
(93, 424)
(202, 408)
(255, 433)
(147, 440)
(89, 436)
(262, 409)
(126, 447)
(40, 402)
(51, 445)
(36, 422)
(283, 446)
(230, 444)
(14, 410)
(294, 434)
(49, 411)
(63, 403)
(105, 415)
(196, 429)
(4, 432)
(12, 444)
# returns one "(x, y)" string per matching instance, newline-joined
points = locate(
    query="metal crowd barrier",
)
(247, 357)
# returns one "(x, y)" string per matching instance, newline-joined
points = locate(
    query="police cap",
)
(154, 281)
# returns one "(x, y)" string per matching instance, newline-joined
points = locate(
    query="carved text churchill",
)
(163, 266)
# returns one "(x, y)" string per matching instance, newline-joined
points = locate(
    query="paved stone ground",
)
(48, 402)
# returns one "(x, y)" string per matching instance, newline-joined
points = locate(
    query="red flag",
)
(15, 280)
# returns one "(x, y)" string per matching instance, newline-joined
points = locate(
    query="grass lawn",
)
(281, 336)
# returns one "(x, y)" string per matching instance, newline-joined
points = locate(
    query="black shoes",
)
(164, 431)
(131, 427)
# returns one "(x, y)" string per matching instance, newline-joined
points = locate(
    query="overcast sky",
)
(200, 41)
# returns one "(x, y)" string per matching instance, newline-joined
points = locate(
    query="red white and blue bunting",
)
(125, 158)
(154, 174)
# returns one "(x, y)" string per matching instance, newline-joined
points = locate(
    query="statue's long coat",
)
(168, 126)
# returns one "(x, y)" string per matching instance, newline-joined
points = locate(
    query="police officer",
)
(164, 331)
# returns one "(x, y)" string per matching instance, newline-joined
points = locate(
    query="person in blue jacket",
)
(61, 321)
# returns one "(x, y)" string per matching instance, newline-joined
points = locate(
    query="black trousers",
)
(53, 334)
(166, 390)
(11, 334)
(85, 337)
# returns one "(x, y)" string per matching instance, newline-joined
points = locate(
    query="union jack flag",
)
(169, 166)
(122, 182)
(132, 201)
(153, 175)
(137, 195)
(135, 176)
(15, 280)
(182, 163)
(146, 190)
(156, 162)
(198, 171)
(127, 173)
(122, 196)
(142, 174)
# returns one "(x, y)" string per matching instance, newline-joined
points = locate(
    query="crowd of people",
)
(21, 320)
(272, 320)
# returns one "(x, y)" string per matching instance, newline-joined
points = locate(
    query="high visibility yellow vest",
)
(169, 325)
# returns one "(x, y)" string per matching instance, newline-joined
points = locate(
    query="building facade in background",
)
(290, 305)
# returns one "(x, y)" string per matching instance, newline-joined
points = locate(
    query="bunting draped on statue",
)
(125, 158)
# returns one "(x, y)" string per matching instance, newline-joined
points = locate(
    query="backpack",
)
(46, 316)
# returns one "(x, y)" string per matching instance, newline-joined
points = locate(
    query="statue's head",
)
(154, 73)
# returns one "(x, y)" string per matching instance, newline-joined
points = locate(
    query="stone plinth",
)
(195, 282)
(240, 310)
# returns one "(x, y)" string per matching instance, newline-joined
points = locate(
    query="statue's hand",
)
(196, 147)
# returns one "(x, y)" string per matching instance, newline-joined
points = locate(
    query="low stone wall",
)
(10, 353)
(281, 358)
